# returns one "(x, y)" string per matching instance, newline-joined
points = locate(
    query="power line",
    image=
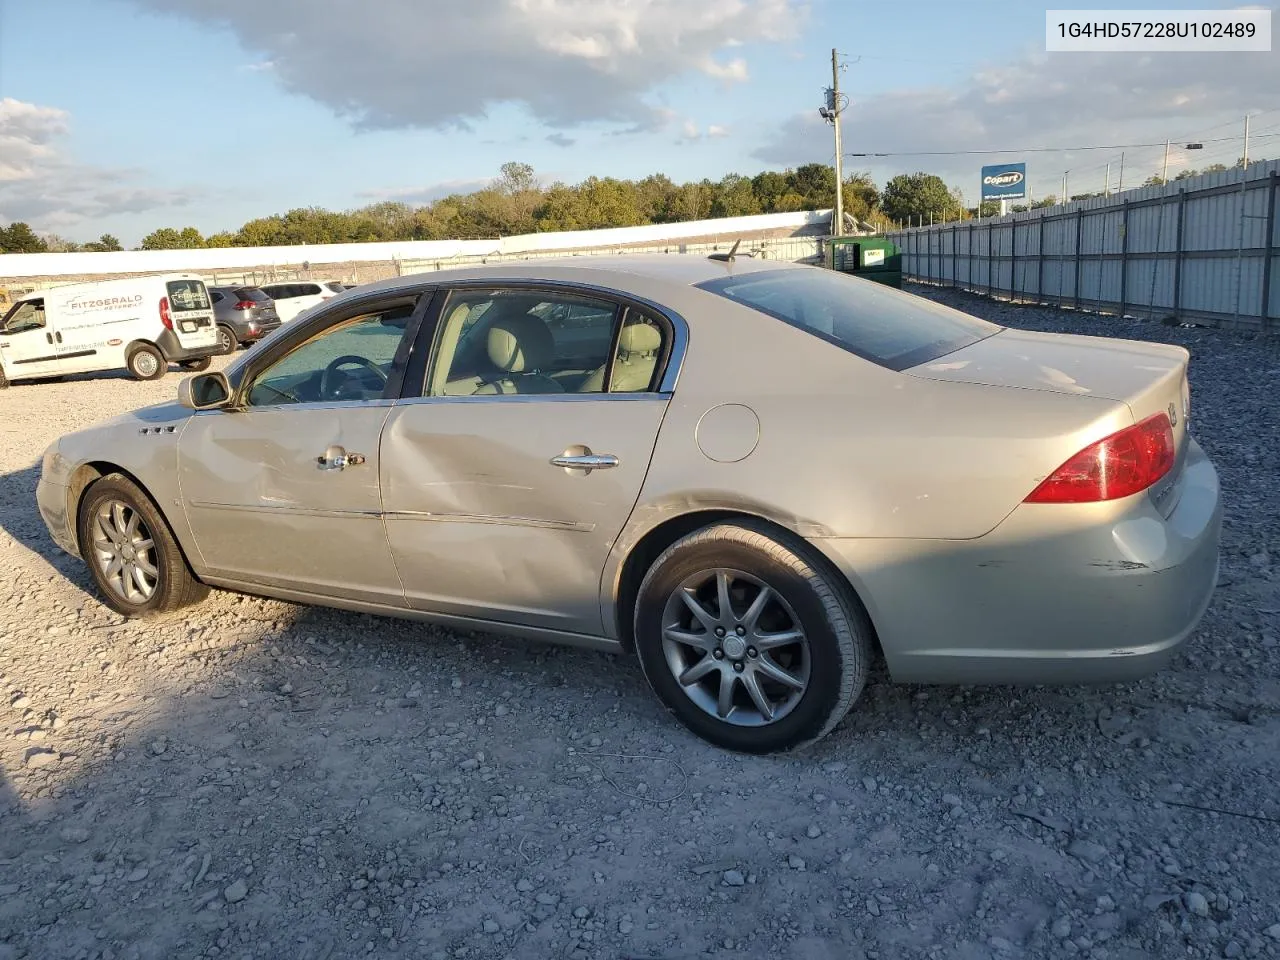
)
(958, 153)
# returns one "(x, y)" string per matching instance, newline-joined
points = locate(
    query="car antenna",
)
(727, 257)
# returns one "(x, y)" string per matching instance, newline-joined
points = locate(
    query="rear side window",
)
(278, 292)
(335, 287)
(252, 293)
(308, 290)
(876, 322)
(187, 295)
(216, 296)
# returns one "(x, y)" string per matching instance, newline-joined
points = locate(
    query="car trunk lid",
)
(1149, 378)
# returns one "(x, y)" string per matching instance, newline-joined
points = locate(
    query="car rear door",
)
(283, 491)
(506, 482)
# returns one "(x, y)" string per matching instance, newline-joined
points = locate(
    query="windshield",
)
(878, 323)
(252, 293)
(187, 295)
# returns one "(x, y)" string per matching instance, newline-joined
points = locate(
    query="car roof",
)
(628, 273)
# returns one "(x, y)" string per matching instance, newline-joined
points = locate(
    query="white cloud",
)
(1053, 100)
(417, 63)
(425, 194)
(39, 185)
(716, 130)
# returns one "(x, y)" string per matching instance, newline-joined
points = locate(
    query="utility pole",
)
(1120, 185)
(1245, 159)
(1106, 191)
(837, 219)
(1164, 171)
(1064, 186)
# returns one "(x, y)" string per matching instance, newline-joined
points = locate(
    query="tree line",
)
(516, 203)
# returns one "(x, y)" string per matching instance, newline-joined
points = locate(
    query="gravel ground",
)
(255, 779)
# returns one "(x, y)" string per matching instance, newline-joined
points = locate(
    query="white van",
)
(142, 325)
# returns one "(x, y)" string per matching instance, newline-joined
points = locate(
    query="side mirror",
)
(205, 391)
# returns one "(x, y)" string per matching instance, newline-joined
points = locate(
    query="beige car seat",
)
(638, 348)
(521, 346)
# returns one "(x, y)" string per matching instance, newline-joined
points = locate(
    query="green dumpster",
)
(872, 258)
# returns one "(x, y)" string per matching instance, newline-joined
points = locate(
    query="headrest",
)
(519, 343)
(640, 338)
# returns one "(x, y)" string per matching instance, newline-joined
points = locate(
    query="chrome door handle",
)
(335, 458)
(586, 461)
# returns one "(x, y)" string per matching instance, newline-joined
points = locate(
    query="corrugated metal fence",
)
(1203, 249)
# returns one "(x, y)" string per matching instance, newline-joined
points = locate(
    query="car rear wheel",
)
(227, 341)
(747, 639)
(145, 362)
(135, 561)
(195, 366)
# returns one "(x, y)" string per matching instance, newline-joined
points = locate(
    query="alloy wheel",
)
(736, 647)
(125, 552)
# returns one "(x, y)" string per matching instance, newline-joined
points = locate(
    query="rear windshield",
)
(336, 287)
(252, 293)
(878, 323)
(187, 295)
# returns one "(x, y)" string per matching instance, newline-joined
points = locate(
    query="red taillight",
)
(164, 313)
(1117, 466)
(245, 305)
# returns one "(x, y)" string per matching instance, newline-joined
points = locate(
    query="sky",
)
(121, 116)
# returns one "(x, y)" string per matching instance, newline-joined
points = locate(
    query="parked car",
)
(755, 476)
(298, 296)
(140, 324)
(244, 314)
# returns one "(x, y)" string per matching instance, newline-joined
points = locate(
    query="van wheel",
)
(132, 555)
(146, 363)
(4, 381)
(195, 366)
(227, 341)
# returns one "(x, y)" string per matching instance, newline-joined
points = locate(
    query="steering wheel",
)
(329, 390)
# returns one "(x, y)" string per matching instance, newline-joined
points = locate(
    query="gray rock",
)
(74, 834)
(1197, 904)
(40, 757)
(1061, 928)
(814, 831)
(236, 891)
(491, 926)
(1273, 931)
(868, 783)
(795, 863)
(1087, 850)
(734, 878)
(524, 886)
(138, 875)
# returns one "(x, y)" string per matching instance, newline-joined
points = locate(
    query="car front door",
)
(282, 489)
(28, 342)
(506, 483)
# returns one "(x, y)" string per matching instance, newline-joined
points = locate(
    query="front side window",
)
(349, 361)
(498, 342)
(187, 295)
(878, 323)
(28, 315)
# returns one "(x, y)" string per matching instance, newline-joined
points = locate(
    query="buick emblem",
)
(1173, 415)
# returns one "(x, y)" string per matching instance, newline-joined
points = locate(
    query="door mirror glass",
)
(206, 391)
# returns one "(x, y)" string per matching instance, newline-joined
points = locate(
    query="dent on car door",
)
(284, 491)
(506, 484)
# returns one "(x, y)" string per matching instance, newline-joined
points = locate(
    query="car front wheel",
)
(747, 639)
(135, 561)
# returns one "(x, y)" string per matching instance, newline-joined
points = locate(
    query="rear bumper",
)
(1055, 594)
(174, 351)
(252, 330)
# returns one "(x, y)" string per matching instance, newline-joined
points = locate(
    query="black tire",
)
(146, 362)
(175, 586)
(227, 340)
(196, 366)
(835, 660)
(4, 381)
